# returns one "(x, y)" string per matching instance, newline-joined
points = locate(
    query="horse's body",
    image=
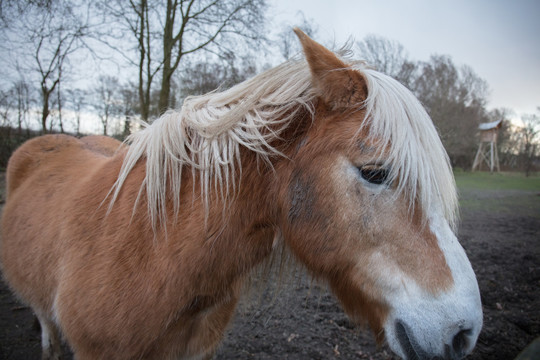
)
(158, 273)
(73, 252)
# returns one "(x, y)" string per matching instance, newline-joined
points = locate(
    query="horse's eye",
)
(373, 174)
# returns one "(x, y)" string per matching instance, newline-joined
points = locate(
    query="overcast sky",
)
(499, 39)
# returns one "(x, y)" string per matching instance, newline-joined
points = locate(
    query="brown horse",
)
(140, 251)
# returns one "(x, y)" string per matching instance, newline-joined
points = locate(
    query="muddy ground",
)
(302, 320)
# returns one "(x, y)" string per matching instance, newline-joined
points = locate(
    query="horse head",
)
(369, 206)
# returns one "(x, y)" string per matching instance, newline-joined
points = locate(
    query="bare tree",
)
(530, 140)
(77, 101)
(59, 101)
(506, 141)
(203, 77)
(128, 106)
(141, 20)
(455, 99)
(388, 57)
(23, 97)
(195, 25)
(167, 31)
(10, 7)
(287, 42)
(106, 102)
(15, 104)
(6, 105)
(45, 34)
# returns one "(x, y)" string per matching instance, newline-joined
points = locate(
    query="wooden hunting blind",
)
(487, 150)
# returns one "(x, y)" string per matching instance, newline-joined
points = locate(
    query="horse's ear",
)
(338, 85)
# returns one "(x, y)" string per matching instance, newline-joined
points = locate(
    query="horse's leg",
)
(50, 339)
(210, 355)
(211, 328)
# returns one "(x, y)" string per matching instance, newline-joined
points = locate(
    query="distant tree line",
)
(455, 98)
(113, 62)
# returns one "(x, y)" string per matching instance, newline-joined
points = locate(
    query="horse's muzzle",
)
(456, 347)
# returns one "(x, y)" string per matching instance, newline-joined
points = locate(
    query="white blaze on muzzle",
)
(422, 325)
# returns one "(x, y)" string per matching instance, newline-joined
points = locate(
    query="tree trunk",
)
(20, 114)
(144, 93)
(60, 107)
(45, 109)
(78, 124)
(165, 92)
(168, 43)
(127, 127)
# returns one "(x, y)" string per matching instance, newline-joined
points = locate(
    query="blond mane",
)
(208, 132)
(414, 152)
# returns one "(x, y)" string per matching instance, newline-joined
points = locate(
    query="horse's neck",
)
(233, 234)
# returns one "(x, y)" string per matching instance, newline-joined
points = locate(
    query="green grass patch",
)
(496, 181)
(499, 193)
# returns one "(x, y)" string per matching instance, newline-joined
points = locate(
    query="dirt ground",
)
(302, 320)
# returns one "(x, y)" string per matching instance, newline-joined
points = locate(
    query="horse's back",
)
(54, 154)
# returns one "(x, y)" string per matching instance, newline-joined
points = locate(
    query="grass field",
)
(499, 193)
(497, 181)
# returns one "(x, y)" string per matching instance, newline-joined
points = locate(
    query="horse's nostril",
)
(460, 342)
(407, 342)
